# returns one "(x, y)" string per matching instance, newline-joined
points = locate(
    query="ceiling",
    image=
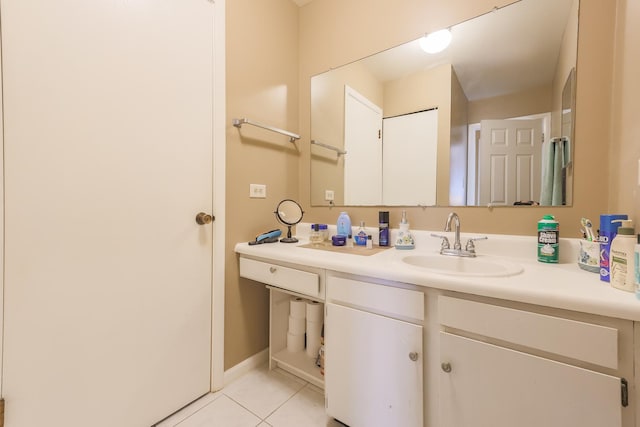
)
(524, 38)
(301, 2)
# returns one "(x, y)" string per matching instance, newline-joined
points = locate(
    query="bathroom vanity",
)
(487, 341)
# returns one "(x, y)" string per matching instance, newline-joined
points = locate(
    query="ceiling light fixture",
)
(436, 42)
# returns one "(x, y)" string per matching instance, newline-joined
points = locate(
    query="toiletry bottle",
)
(383, 227)
(350, 241)
(316, 236)
(404, 239)
(608, 231)
(548, 240)
(622, 256)
(636, 266)
(369, 242)
(324, 230)
(361, 235)
(344, 224)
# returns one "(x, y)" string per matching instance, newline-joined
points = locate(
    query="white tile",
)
(262, 391)
(306, 408)
(222, 412)
(189, 410)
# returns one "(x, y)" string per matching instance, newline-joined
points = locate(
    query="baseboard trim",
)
(245, 366)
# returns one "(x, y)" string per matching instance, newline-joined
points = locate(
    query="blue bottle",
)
(608, 230)
(344, 224)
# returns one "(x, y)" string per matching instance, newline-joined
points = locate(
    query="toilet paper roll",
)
(295, 343)
(313, 338)
(314, 311)
(298, 308)
(297, 325)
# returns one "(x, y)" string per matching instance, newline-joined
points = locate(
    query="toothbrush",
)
(586, 223)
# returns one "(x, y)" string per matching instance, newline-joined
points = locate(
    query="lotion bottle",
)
(622, 257)
(404, 239)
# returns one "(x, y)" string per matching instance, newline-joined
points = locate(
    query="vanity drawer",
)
(387, 300)
(587, 342)
(303, 282)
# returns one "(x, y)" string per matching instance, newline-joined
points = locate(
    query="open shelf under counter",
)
(299, 364)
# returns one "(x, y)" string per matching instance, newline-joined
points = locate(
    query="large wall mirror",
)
(487, 121)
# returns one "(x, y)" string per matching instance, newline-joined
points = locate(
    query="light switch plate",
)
(257, 191)
(328, 195)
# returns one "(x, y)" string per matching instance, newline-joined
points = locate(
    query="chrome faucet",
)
(454, 216)
(445, 248)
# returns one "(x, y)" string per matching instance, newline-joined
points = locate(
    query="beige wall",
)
(349, 37)
(262, 85)
(328, 124)
(267, 40)
(533, 101)
(566, 60)
(625, 150)
(458, 144)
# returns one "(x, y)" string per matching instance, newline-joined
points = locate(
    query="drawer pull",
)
(413, 356)
(272, 270)
(446, 366)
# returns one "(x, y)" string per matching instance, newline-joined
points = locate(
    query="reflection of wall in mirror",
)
(327, 123)
(566, 63)
(459, 144)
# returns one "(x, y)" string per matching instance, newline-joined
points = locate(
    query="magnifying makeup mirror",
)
(289, 213)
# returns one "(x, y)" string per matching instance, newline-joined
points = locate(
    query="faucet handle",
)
(470, 247)
(445, 241)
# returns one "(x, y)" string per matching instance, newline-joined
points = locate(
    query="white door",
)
(373, 369)
(409, 158)
(510, 161)
(108, 159)
(493, 386)
(363, 144)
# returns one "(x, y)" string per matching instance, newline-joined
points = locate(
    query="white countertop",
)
(562, 285)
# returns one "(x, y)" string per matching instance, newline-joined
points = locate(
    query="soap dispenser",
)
(404, 239)
(622, 257)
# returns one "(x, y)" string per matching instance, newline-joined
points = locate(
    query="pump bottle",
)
(622, 257)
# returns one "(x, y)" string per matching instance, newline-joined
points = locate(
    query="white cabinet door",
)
(371, 378)
(493, 386)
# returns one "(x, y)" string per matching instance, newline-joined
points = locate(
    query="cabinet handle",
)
(413, 356)
(272, 270)
(446, 366)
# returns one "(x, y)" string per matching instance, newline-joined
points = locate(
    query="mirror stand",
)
(289, 213)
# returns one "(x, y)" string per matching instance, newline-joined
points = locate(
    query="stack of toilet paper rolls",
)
(305, 317)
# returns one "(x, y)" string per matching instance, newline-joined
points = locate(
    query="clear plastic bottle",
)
(316, 236)
(369, 242)
(350, 241)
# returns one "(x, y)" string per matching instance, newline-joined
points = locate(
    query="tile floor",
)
(259, 398)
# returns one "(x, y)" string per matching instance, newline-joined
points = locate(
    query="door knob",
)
(203, 218)
(446, 367)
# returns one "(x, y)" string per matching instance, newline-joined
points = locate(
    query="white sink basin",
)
(480, 266)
